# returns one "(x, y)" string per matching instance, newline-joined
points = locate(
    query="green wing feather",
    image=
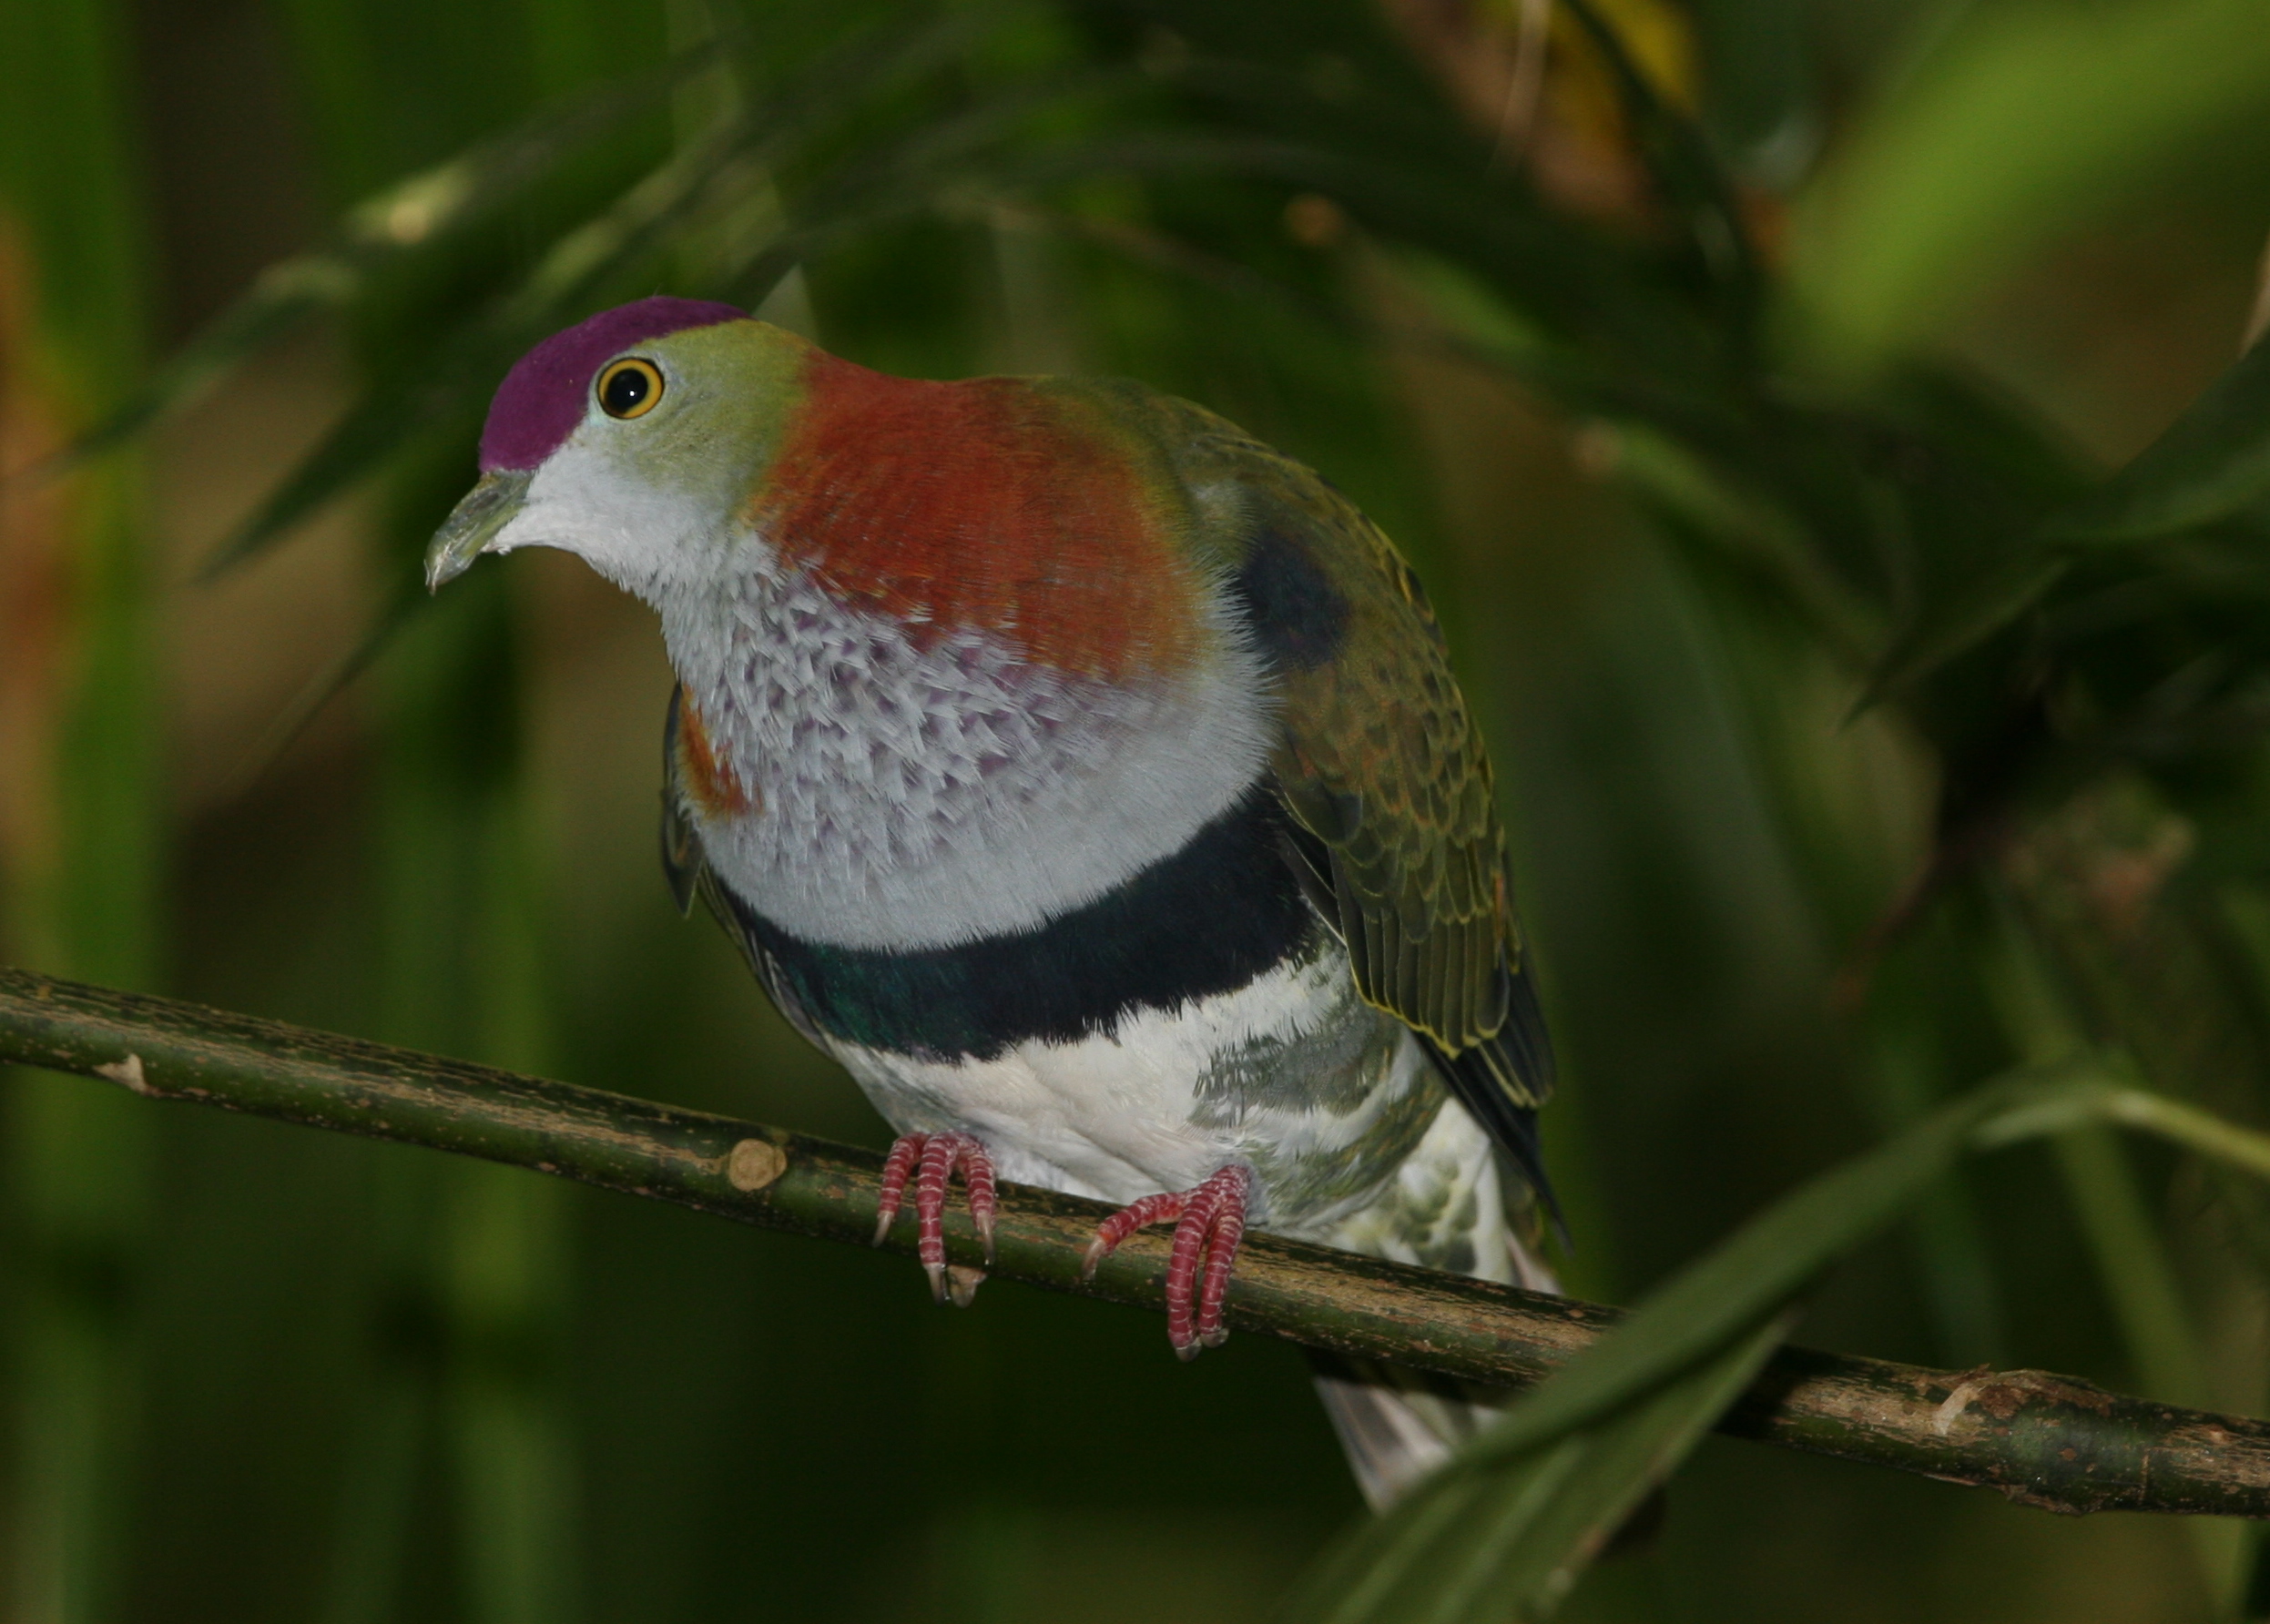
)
(1380, 764)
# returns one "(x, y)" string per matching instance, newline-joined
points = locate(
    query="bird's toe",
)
(1209, 1223)
(929, 1162)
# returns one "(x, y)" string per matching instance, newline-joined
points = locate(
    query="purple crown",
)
(541, 399)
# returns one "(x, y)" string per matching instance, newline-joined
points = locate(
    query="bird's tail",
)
(1398, 1425)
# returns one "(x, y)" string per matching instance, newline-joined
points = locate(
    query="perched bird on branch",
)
(1086, 776)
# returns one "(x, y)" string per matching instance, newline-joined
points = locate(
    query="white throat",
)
(920, 792)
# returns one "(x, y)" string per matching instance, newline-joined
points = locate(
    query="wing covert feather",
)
(1396, 836)
(1380, 763)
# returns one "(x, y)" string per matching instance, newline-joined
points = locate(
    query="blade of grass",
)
(2212, 463)
(416, 216)
(575, 270)
(461, 968)
(2132, 1260)
(1963, 619)
(2137, 1276)
(1509, 1540)
(323, 688)
(1755, 1272)
(1699, 503)
(1950, 1252)
(1517, 1514)
(2157, 1325)
(1623, 1463)
(2155, 1320)
(1621, 1385)
(1718, 1304)
(88, 900)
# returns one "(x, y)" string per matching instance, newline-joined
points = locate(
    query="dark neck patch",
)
(1296, 614)
(1206, 920)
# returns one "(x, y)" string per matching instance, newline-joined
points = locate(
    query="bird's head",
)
(631, 439)
(952, 640)
(686, 451)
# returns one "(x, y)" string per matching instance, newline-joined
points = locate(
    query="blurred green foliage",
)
(1745, 378)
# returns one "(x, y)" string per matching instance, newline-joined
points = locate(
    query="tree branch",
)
(2041, 1440)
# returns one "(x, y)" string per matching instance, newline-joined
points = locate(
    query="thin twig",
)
(2041, 1440)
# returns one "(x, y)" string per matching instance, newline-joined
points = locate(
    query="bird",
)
(1086, 776)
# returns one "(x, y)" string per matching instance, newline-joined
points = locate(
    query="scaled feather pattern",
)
(1086, 777)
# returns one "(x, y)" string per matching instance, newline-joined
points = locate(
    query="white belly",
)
(1293, 1074)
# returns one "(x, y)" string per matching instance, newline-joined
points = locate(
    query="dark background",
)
(255, 1373)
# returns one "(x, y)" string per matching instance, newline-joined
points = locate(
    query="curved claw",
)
(1209, 1224)
(1228, 1233)
(1117, 1228)
(930, 1160)
(904, 1152)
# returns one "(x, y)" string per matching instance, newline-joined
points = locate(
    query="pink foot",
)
(1209, 1222)
(931, 1159)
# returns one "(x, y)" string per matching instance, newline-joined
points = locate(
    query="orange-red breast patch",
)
(716, 788)
(998, 503)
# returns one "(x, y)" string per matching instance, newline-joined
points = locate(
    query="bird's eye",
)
(629, 388)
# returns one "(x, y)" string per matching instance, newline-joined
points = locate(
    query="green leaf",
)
(414, 217)
(374, 430)
(1509, 1524)
(1752, 1275)
(1696, 191)
(2132, 1261)
(1510, 1538)
(2025, 121)
(329, 681)
(84, 762)
(2246, 1149)
(2212, 463)
(709, 178)
(1698, 498)
(1524, 1506)
(1963, 621)
(1619, 1466)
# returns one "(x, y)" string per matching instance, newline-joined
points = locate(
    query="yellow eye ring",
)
(629, 388)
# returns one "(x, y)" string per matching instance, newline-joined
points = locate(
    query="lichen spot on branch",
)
(127, 1071)
(754, 1164)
